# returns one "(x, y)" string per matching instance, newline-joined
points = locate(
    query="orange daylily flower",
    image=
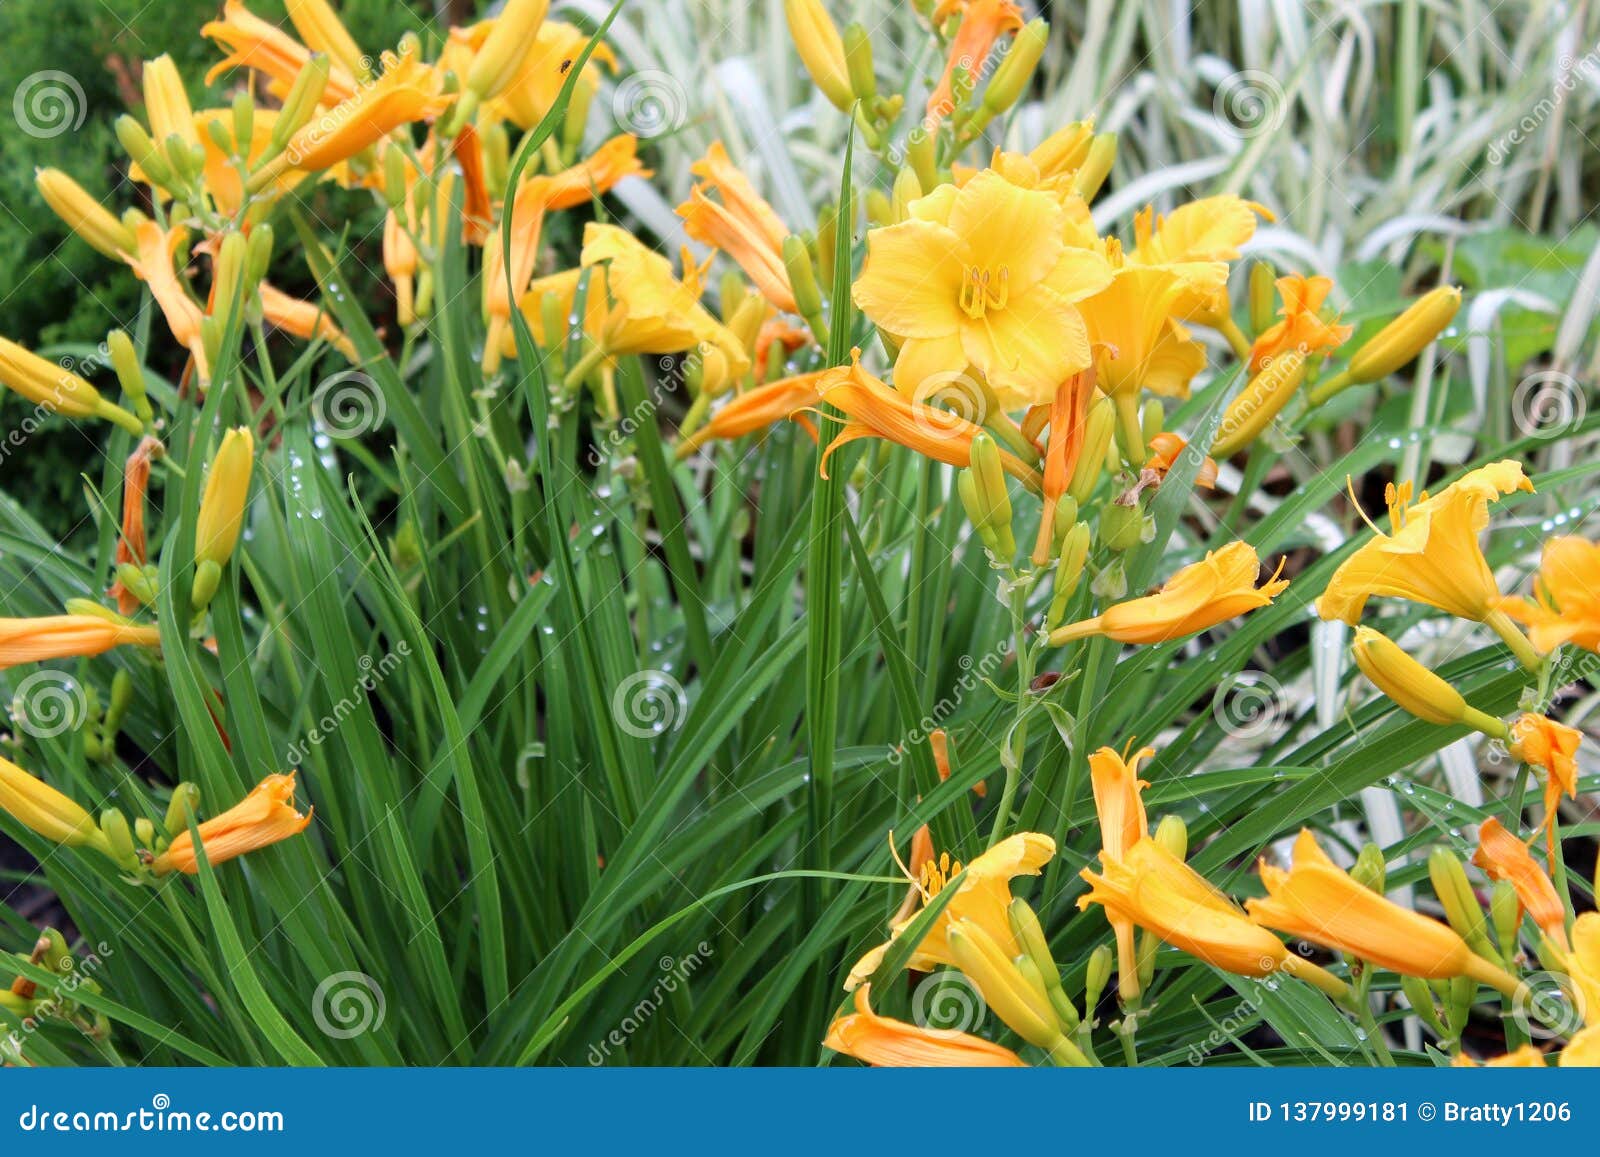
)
(1316, 900)
(1135, 332)
(1166, 447)
(406, 92)
(1431, 553)
(252, 42)
(153, 265)
(741, 224)
(1302, 328)
(67, 636)
(132, 545)
(264, 817)
(1067, 412)
(758, 408)
(875, 410)
(1503, 856)
(1566, 603)
(881, 1040)
(1150, 887)
(1120, 810)
(1219, 587)
(779, 334)
(983, 22)
(1554, 747)
(304, 319)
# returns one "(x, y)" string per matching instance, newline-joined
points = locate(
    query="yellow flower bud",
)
(1461, 907)
(222, 505)
(1011, 79)
(184, 804)
(1069, 572)
(802, 277)
(503, 50)
(301, 102)
(858, 62)
(42, 809)
(1096, 166)
(322, 30)
(994, 500)
(1005, 990)
(1096, 977)
(1406, 336)
(906, 190)
(1406, 681)
(821, 50)
(142, 151)
(119, 838)
(57, 389)
(1263, 287)
(167, 103)
(1258, 403)
(1370, 870)
(1173, 834)
(1098, 429)
(85, 216)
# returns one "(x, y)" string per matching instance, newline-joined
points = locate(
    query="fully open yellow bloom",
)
(1316, 900)
(981, 897)
(983, 276)
(1133, 326)
(264, 817)
(876, 411)
(882, 1040)
(1219, 587)
(740, 223)
(1503, 856)
(1151, 887)
(261, 45)
(1302, 329)
(1431, 553)
(1566, 603)
(1195, 241)
(67, 636)
(1552, 746)
(41, 808)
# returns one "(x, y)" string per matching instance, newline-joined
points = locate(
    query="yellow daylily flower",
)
(42, 809)
(1583, 1050)
(532, 90)
(758, 408)
(67, 637)
(983, 276)
(1566, 603)
(1137, 340)
(1431, 553)
(1196, 241)
(322, 30)
(741, 224)
(1503, 856)
(1154, 889)
(981, 897)
(304, 319)
(882, 1040)
(1583, 966)
(1552, 746)
(1219, 587)
(511, 37)
(1316, 900)
(1120, 811)
(1302, 329)
(1166, 448)
(1060, 154)
(264, 817)
(258, 44)
(876, 411)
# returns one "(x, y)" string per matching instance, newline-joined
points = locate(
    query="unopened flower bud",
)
(1096, 166)
(1370, 869)
(1263, 288)
(816, 39)
(1258, 403)
(858, 62)
(1096, 977)
(994, 499)
(1074, 553)
(84, 215)
(1461, 906)
(1010, 81)
(1406, 336)
(184, 804)
(1098, 429)
(1173, 835)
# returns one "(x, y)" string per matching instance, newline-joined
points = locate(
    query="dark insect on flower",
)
(565, 64)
